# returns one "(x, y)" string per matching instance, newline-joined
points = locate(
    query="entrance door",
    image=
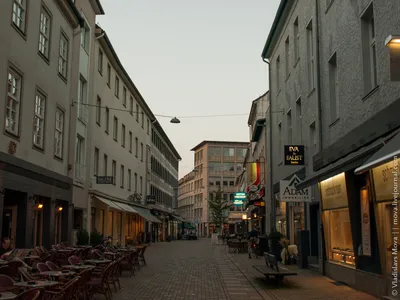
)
(38, 228)
(390, 235)
(57, 231)
(10, 223)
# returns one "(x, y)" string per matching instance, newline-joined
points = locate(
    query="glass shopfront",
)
(336, 221)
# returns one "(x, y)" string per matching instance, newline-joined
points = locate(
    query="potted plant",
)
(275, 247)
(82, 237)
(96, 238)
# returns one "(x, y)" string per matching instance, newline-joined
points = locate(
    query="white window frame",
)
(19, 14)
(85, 37)
(39, 120)
(59, 133)
(63, 56)
(44, 33)
(14, 83)
(82, 99)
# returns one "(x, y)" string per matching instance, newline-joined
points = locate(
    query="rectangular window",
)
(96, 161)
(136, 183)
(137, 113)
(287, 57)
(141, 151)
(142, 119)
(105, 165)
(85, 37)
(136, 147)
(289, 127)
(98, 110)
(114, 171)
(44, 33)
(129, 179)
(310, 54)
(141, 185)
(148, 126)
(122, 175)
(63, 56)
(278, 73)
(229, 152)
(107, 117)
(38, 120)
(369, 49)
(296, 39)
(124, 96)
(116, 86)
(131, 105)
(59, 133)
(299, 120)
(19, 14)
(123, 135)
(82, 100)
(115, 129)
(280, 142)
(333, 89)
(14, 84)
(312, 141)
(109, 75)
(100, 62)
(130, 141)
(80, 159)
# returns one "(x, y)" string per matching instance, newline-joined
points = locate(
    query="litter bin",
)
(263, 244)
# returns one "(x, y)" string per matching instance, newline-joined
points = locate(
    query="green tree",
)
(217, 206)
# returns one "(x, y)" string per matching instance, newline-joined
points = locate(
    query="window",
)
(214, 151)
(82, 99)
(369, 49)
(278, 73)
(114, 171)
(109, 75)
(296, 39)
(105, 165)
(96, 162)
(85, 37)
(13, 102)
(63, 56)
(98, 110)
(241, 152)
(141, 185)
(80, 158)
(310, 54)
(287, 56)
(135, 182)
(115, 129)
(19, 14)
(136, 147)
(137, 113)
(107, 119)
(124, 96)
(100, 62)
(116, 86)
(280, 144)
(44, 33)
(142, 119)
(38, 120)
(141, 151)
(123, 135)
(333, 89)
(59, 133)
(230, 152)
(148, 126)
(131, 105)
(129, 179)
(130, 141)
(312, 141)
(289, 126)
(122, 175)
(299, 119)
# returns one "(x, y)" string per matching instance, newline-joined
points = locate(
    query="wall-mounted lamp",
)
(59, 208)
(40, 206)
(393, 44)
(392, 40)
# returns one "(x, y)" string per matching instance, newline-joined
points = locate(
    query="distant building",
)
(186, 197)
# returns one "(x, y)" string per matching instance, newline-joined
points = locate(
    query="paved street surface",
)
(191, 270)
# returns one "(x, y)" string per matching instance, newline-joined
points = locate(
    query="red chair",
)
(42, 267)
(32, 294)
(52, 266)
(74, 260)
(7, 284)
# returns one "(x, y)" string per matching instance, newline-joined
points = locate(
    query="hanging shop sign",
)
(365, 223)
(334, 192)
(294, 155)
(254, 177)
(239, 198)
(289, 193)
(104, 179)
(384, 179)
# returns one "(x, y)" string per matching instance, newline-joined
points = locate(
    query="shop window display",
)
(338, 236)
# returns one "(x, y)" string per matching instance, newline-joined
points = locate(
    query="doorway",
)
(10, 224)
(38, 226)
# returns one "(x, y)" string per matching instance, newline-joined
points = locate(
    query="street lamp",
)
(392, 40)
(175, 120)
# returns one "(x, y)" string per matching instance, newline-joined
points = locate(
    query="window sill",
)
(107, 132)
(109, 85)
(47, 60)
(311, 93)
(20, 32)
(368, 95)
(98, 123)
(37, 148)
(287, 77)
(280, 164)
(123, 146)
(62, 77)
(100, 72)
(296, 62)
(58, 158)
(136, 156)
(115, 140)
(11, 135)
(334, 123)
(130, 151)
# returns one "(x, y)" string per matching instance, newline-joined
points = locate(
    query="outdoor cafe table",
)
(98, 261)
(7, 295)
(54, 274)
(78, 267)
(36, 284)
(3, 262)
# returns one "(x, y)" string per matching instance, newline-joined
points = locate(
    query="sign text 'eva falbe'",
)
(294, 155)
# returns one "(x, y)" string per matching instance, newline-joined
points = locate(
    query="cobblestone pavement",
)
(306, 285)
(187, 270)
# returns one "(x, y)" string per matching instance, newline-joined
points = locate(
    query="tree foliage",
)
(217, 206)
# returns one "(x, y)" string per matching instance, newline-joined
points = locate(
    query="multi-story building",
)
(346, 107)
(37, 82)
(217, 164)
(186, 197)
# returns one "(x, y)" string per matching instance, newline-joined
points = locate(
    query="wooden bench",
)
(271, 268)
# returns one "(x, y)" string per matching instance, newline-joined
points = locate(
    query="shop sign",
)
(334, 192)
(365, 223)
(294, 155)
(150, 199)
(289, 193)
(254, 177)
(239, 198)
(384, 180)
(104, 179)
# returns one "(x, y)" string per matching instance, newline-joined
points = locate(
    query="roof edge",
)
(216, 142)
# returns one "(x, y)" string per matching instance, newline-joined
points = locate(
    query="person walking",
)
(253, 236)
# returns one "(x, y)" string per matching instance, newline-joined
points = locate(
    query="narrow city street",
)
(198, 270)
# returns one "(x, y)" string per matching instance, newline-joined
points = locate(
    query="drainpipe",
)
(271, 190)
(319, 119)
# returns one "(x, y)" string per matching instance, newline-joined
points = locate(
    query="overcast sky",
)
(194, 58)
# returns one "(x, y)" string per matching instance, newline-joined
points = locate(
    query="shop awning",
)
(145, 213)
(383, 155)
(109, 203)
(344, 164)
(179, 219)
(126, 207)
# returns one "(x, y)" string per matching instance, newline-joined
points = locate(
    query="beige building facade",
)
(186, 197)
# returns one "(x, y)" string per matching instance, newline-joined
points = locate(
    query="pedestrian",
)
(252, 235)
(5, 247)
